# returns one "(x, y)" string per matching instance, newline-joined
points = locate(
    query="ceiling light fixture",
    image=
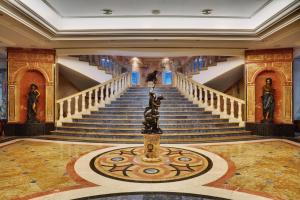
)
(206, 11)
(107, 11)
(155, 12)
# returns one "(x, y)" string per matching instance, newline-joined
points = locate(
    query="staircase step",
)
(139, 125)
(180, 119)
(145, 105)
(122, 109)
(162, 121)
(114, 130)
(141, 113)
(163, 136)
(119, 116)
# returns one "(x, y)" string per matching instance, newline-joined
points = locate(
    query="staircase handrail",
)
(205, 97)
(102, 93)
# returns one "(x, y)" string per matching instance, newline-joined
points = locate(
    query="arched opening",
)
(27, 78)
(167, 77)
(260, 81)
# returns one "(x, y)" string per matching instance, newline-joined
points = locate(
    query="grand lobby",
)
(150, 100)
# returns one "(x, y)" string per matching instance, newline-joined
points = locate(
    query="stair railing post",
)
(240, 119)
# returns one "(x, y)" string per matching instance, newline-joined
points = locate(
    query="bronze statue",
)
(32, 103)
(268, 101)
(151, 115)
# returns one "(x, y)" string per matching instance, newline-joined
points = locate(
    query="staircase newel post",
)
(174, 83)
(129, 80)
(240, 112)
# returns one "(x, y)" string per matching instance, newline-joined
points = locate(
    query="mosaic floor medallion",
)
(126, 164)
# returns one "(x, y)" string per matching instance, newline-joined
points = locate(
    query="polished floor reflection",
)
(44, 169)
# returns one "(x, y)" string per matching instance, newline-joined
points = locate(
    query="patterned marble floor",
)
(250, 170)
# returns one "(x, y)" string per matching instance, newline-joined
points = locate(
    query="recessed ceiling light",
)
(206, 11)
(107, 11)
(155, 12)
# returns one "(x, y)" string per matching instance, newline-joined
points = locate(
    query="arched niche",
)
(260, 81)
(282, 94)
(32, 77)
(18, 91)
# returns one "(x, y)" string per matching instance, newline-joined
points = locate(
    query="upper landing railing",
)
(84, 102)
(219, 103)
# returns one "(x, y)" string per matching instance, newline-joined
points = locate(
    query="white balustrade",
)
(211, 100)
(107, 91)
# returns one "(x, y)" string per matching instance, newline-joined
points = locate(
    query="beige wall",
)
(237, 90)
(65, 88)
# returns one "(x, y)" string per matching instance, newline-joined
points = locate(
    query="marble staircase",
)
(181, 120)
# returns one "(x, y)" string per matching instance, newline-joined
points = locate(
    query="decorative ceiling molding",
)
(136, 16)
(22, 13)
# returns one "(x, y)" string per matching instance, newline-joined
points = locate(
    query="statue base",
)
(151, 148)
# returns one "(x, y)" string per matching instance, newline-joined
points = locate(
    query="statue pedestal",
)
(151, 148)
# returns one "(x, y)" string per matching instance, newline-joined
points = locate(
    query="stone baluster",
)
(90, 99)
(69, 108)
(191, 91)
(83, 103)
(231, 108)
(211, 100)
(106, 92)
(218, 103)
(102, 96)
(200, 96)
(225, 106)
(96, 102)
(195, 93)
(205, 97)
(61, 110)
(76, 105)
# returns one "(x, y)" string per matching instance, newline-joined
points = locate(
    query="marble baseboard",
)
(28, 130)
(265, 129)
